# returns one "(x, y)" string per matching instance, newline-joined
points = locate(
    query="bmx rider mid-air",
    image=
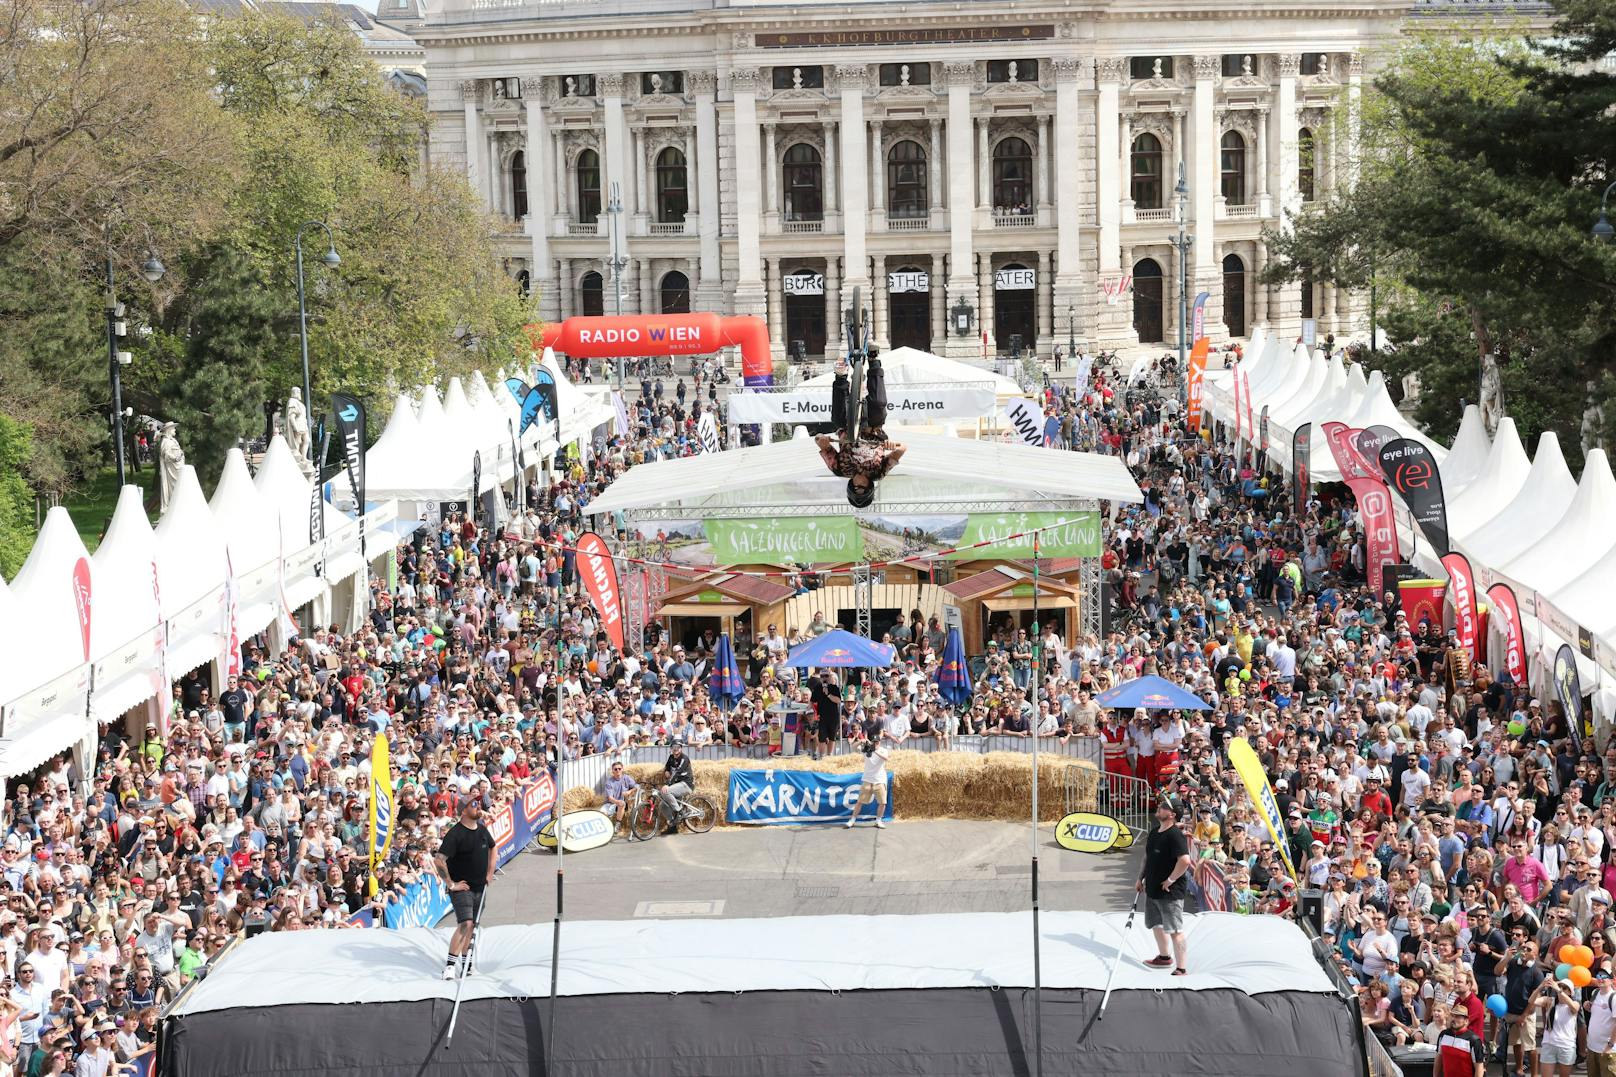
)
(865, 455)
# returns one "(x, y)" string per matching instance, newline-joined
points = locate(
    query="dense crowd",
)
(1455, 856)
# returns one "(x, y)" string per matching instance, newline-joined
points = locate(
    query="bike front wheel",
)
(701, 814)
(644, 820)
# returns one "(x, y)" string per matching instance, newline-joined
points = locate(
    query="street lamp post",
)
(617, 262)
(1181, 198)
(152, 269)
(1071, 333)
(1602, 230)
(331, 260)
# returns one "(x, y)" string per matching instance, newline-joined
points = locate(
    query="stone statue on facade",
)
(295, 425)
(656, 82)
(1492, 394)
(170, 462)
(571, 89)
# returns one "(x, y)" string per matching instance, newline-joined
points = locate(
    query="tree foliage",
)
(1479, 181)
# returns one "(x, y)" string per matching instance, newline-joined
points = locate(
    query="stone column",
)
(749, 294)
(642, 186)
(830, 174)
(1042, 303)
(938, 294)
(1204, 271)
(855, 170)
(562, 201)
(960, 78)
(1285, 304)
(1264, 203)
(1259, 290)
(692, 174)
(1180, 141)
(615, 167)
(771, 171)
(710, 291)
(564, 302)
(777, 304)
(1125, 168)
(648, 289)
(833, 306)
(984, 164)
(878, 283)
(1041, 168)
(984, 303)
(878, 171)
(1354, 114)
(1067, 285)
(470, 91)
(934, 183)
(538, 221)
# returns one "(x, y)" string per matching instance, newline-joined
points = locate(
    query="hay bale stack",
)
(926, 785)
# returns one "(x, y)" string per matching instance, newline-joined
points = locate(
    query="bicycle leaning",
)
(643, 819)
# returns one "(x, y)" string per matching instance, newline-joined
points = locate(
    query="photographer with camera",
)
(878, 747)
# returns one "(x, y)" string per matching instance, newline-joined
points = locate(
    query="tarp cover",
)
(659, 997)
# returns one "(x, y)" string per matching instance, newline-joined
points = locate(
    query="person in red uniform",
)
(1114, 745)
(1459, 1052)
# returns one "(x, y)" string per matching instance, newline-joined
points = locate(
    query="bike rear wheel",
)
(701, 814)
(644, 819)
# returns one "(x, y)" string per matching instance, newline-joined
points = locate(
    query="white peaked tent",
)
(1310, 411)
(466, 434)
(393, 461)
(1297, 392)
(1341, 407)
(1293, 369)
(281, 484)
(191, 569)
(1375, 408)
(1267, 364)
(124, 638)
(1577, 541)
(251, 527)
(1585, 601)
(1528, 518)
(1468, 457)
(13, 633)
(580, 412)
(492, 419)
(53, 585)
(1497, 484)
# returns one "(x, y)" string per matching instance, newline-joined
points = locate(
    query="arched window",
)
(906, 180)
(1234, 295)
(1233, 163)
(588, 187)
(518, 185)
(1147, 301)
(804, 184)
(1147, 172)
(675, 293)
(524, 284)
(1012, 176)
(592, 295)
(672, 201)
(1304, 163)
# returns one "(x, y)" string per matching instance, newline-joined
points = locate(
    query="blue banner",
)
(425, 903)
(514, 826)
(776, 797)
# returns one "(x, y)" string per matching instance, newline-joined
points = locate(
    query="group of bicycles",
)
(643, 819)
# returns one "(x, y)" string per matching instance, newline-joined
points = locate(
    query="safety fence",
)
(586, 773)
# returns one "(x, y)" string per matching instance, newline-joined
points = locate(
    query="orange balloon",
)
(1568, 953)
(1585, 957)
(1581, 977)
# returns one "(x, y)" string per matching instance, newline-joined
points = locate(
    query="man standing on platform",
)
(465, 863)
(1165, 885)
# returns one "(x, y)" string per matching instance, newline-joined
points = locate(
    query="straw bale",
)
(926, 785)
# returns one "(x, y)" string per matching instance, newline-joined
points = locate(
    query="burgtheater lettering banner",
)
(785, 540)
(903, 405)
(917, 35)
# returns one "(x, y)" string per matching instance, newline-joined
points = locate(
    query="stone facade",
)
(1014, 163)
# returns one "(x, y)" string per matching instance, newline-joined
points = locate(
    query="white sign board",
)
(1026, 421)
(906, 281)
(1310, 331)
(804, 284)
(1015, 280)
(904, 405)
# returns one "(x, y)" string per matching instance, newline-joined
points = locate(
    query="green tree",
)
(16, 499)
(1477, 189)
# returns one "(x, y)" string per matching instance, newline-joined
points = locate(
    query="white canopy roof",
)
(1294, 368)
(1497, 484)
(911, 366)
(938, 472)
(13, 635)
(1375, 408)
(282, 485)
(1586, 600)
(412, 467)
(1468, 456)
(393, 462)
(248, 521)
(1577, 541)
(123, 634)
(580, 412)
(56, 640)
(191, 568)
(1531, 515)
(1341, 407)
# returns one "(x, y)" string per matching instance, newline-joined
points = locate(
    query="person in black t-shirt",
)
(465, 862)
(1164, 884)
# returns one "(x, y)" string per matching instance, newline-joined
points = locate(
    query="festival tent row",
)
(91, 640)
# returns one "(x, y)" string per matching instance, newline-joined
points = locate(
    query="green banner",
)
(1077, 535)
(785, 540)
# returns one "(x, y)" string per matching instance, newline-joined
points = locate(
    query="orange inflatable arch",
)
(629, 336)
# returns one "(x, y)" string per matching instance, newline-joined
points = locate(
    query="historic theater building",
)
(1006, 168)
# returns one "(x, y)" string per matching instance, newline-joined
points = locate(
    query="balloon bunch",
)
(1574, 965)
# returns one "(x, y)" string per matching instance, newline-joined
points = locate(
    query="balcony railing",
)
(667, 228)
(908, 224)
(583, 228)
(1144, 215)
(1014, 220)
(1240, 211)
(801, 228)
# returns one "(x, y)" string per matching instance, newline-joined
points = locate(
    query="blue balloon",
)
(1497, 1006)
(1563, 971)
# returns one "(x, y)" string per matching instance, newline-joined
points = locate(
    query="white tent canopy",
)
(191, 568)
(1375, 408)
(1529, 517)
(911, 366)
(1577, 541)
(1468, 457)
(251, 530)
(1494, 487)
(1585, 601)
(124, 640)
(790, 477)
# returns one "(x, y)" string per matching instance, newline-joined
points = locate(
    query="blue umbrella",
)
(724, 682)
(1153, 694)
(840, 649)
(953, 675)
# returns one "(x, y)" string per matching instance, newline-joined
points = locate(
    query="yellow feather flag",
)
(1249, 767)
(381, 806)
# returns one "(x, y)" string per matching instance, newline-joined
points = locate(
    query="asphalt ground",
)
(911, 867)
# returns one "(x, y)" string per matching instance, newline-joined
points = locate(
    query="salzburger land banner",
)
(785, 540)
(1066, 534)
(906, 405)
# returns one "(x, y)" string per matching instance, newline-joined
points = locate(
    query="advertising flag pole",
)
(1037, 967)
(558, 815)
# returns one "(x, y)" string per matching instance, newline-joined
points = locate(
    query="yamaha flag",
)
(1411, 470)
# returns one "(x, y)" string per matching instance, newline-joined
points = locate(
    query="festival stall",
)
(191, 569)
(252, 536)
(1006, 591)
(1500, 479)
(719, 601)
(125, 642)
(1576, 542)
